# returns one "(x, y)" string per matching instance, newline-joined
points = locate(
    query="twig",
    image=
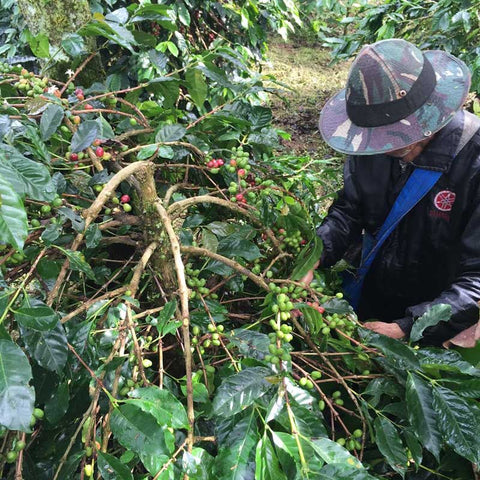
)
(182, 204)
(19, 465)
(275, 260)
(140, 268)
(171, 191)
(190, 146)
(330, 365)
(89, 303)
(136, 345)
(171, 460)
(231, 263)
(74, 437)
(143, 119)
(21, 286)
(132, 133)
(79, 69)
(184, 300)
(90, 371)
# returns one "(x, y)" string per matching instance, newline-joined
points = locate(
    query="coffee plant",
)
(153, 325)
(451, 25)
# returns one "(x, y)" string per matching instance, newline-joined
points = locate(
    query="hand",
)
(391, 330)
(308, 277)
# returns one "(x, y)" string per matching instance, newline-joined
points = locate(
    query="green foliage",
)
(17, 397)
(149, 232)
(447, 25)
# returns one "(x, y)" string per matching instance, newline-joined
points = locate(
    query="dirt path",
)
(305, 70)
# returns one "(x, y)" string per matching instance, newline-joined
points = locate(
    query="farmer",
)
(400, 112)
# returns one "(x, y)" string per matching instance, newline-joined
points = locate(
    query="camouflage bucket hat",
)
(396, 95)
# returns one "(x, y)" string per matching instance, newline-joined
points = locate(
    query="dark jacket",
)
(433, 255)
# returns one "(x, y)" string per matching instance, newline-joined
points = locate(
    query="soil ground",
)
(308, 81)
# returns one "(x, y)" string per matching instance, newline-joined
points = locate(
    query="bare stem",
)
(184, 295)
(227, 261)
(140, 268)
(86, 305)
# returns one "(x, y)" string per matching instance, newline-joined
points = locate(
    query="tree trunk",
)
(55, 18)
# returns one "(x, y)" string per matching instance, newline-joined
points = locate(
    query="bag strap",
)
(417, 186)
(471, 124)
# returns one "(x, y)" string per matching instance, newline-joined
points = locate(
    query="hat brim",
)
(449, 95)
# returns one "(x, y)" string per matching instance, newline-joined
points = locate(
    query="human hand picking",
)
(391, 330)
(308, 277)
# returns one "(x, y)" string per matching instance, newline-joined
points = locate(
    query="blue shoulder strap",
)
(418, 185)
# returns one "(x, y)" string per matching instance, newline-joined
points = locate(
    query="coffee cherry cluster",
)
(100, 151)
(239, 162)
(212, 338)
(294, 240)
(242, 197)
(214, 164)
(283, 306)
(129, 385)
(257, 267)
(41, 211)
(306, 382)
(337, 321)
(295, 292)
(78, 92)
(352, 442)
(119, 204)
(279, 338)
(31, 85)
(6, 68)
(197, 284)
(11, 456)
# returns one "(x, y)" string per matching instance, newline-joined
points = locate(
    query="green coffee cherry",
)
(20, 445)
(38, 413)
(357, 433)
(11, 456)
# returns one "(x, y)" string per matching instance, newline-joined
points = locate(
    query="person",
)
(402, 109)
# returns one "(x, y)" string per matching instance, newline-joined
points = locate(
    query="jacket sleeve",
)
(342, 225)
(463, 294)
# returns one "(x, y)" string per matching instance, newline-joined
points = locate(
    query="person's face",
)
(401, 152)
(409, 153)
